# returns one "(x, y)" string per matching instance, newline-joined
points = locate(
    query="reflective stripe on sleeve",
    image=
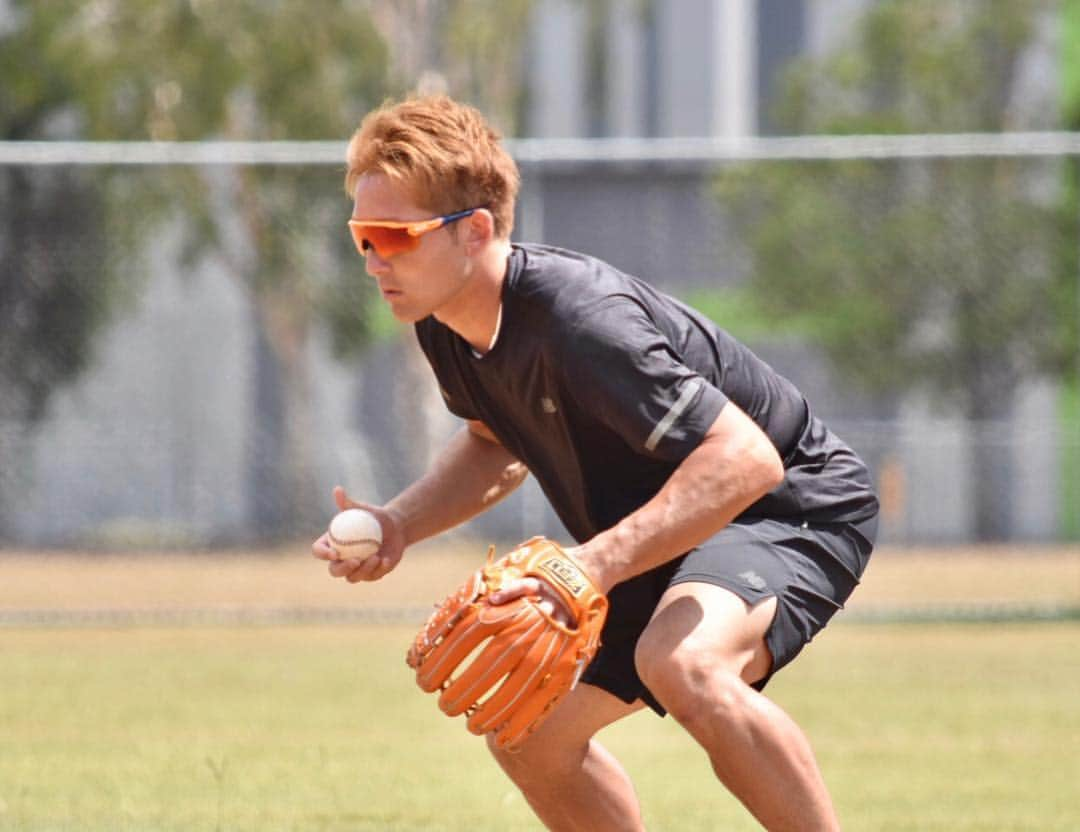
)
(664, 425)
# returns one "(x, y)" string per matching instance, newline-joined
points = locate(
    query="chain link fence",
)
(191, 354)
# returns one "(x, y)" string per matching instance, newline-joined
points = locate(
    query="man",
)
(724, 521)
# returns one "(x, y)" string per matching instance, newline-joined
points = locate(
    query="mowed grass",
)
(917, 727)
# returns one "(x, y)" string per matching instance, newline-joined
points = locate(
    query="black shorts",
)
(810, 568)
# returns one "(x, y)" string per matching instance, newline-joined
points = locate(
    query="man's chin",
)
(406, 315)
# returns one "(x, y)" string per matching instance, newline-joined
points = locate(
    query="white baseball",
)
(355, 533)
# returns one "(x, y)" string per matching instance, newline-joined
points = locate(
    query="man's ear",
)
(479, 230)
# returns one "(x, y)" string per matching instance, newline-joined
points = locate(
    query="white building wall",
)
(557, 78)
(627, 77)
(684, 69)
(734, 68)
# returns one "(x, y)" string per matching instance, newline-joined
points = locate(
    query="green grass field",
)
(917, 726)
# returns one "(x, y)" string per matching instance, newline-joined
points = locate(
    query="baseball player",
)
(722, 521)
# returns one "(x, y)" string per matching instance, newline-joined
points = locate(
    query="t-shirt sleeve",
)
(623, 370)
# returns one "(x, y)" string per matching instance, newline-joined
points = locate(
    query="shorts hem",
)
(751, 597)
(748, 594)
(617, 688)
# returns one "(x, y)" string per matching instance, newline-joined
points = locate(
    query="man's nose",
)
(374, 263)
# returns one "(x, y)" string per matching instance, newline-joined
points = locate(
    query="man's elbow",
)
(768, 468)
(745, 452)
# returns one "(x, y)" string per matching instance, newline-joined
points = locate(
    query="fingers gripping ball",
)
(355, 533)
(521, 660)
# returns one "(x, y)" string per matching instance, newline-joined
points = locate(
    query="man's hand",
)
(373, 567)
(550, 602)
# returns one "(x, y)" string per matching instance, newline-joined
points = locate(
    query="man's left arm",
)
(734, 465)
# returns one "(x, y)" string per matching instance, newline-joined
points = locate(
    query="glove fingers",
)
(507, 665)
(533, 710)
(522, 681)
(444, 618)
(498, 658)
(565, 670)
(479, 622)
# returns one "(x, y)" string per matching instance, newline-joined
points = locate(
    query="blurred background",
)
(881, 198)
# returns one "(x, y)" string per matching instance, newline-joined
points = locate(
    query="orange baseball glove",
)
(530, 660)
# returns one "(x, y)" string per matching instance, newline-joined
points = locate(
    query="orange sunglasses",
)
(393, 238)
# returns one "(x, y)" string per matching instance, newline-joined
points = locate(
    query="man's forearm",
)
(734, 466)
(470, 476)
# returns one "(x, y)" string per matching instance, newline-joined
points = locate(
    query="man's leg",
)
(701, 651)
(568, 778)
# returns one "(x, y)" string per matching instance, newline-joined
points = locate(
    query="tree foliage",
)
(223, 70)
(945, 272)
(953, 275)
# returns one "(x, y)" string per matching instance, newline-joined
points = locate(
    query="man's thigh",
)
(806, 572)
(709, 626)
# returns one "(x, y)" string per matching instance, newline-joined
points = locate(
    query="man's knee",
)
(698, 673)
(712, 703)
(688, 680)
(703, 640)
(538, 763)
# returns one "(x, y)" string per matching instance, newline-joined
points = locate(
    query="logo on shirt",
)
(753, 579)
(548, 405)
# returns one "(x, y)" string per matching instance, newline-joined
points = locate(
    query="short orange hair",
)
(445, 154)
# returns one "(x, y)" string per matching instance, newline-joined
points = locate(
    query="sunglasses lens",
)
(386, 241)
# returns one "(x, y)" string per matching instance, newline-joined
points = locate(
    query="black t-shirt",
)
(602, 385)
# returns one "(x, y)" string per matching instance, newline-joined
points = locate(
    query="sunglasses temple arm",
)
(419, 228)
(458, 215)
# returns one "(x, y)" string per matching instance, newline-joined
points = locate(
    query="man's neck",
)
(474, 314)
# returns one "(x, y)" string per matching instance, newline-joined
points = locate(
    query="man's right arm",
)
(472, 473)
